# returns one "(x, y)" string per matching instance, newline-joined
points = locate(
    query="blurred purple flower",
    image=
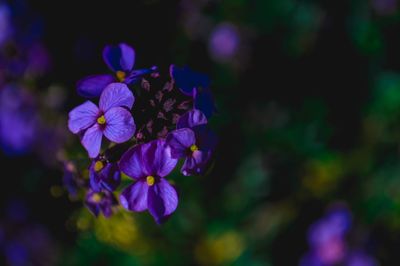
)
(100, 202)
(192, 141)
(71, 181)
(148, 164)
(224, 42)
(112, 118)
(104, 175)
(5, 23)
(195, 85)
(19, 120)
(120, 59)
(327, 238)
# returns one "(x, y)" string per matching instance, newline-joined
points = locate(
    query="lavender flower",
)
(111, 119)
(224, 42)
(195, 85)
(100, 202)
(148, 164)
(120, 59)
(19, 120)
(104, 175)
(192, 141)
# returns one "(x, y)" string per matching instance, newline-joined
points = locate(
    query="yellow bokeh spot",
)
(96, 197)
(150, 180)
(120, 75)
(220, 250)
(194, 148)
(98, 166)
(101, 120)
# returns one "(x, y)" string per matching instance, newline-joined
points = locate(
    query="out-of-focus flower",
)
(224, 42)
(111, 119)
(120, 59)
(19, 120)
(148, 164)
(5, 23)
(100, 202)
(194, 143)
(71, 180)
(104, 175)
(195, 85)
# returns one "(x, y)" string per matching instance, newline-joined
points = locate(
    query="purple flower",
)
(224, 42)
(19, 121)
(5, 23)
(100, 202)
(104, 175)
(111, 118)
(148, 164)
(192, 141)
(195, 85)
(120, 59)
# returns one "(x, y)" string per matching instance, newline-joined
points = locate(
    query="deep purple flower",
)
(104, 175)
(148, 164)
(192, 141)
(111, 118)
(100, 202)
(195, 85)
(19, 121)
(5, 23)
(120, 59)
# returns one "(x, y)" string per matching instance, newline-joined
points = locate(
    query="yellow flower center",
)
(120, 75)
(150, 180)
(101, 120)
(96, 197)
(98, 166)
(194, 148)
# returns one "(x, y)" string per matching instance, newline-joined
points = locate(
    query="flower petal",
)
(195, 164)
(82, 117)
(134, 197)
(119, 57)
(162, 200)
(92, 140)
(120, 126)
(158, 158)
(187, 80)
(132, 164)
(180, 141)
(192, 118)
(94, 85)
(204, 101)
(206, 139)
(116, 94)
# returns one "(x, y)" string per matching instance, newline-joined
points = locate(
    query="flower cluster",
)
(328, 242)
(142, 126)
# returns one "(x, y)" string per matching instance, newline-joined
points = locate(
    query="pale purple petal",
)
(92, 140)
(132, 164)
(180, 141)
(116, 94)
(196, 163)
(191, 119)
(158, 158)
(119, 57)
(120, 126)
(162, 200)
(94, 85)
(82, 117)
(134, 197)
